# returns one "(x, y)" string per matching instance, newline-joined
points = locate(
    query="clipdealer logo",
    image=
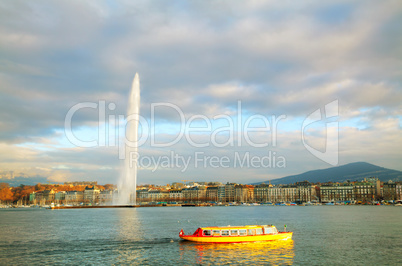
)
(331, 111)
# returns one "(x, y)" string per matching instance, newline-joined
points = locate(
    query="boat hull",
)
(238, 239)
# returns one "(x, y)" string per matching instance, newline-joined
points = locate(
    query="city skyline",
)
(282, 84)
(369, 190)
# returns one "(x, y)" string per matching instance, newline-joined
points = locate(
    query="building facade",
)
(230, 192)
(334, 192)
(175, 194)
(389, 191)
(91, 194)
(74, 196)
(365, 191)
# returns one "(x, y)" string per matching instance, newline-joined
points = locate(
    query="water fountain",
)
(128, 178)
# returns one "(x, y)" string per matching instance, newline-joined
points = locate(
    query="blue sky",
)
(204, 57)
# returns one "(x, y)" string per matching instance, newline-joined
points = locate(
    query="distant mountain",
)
(353, 171)
(28, 181)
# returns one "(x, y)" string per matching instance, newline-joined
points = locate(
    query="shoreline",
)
(101, 206)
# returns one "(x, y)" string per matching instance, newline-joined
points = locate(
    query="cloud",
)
(203, 57)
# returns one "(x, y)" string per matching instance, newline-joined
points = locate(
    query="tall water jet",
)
(128, 179)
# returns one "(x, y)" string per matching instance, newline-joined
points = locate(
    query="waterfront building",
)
(194, 194)
(261, 192)
(60, 196)
(315, 193)
(244, 193)
(39, 197)
(250, 192)
(175, 194)
(202, 193)
(142, 194)
(106, 196)
(377, 185)
(91, 194)
(32, 197)
(289, 193)
(274, 194)
(304, 191)
(337, 192)
(48, 194)
(186, 194)
(368, 190)
(389, 191)
(230, 192)
(241, 193)
(365, 191)
(156, 195)
(221, 193)
(212, 193)
(398, 190)
(74, 196)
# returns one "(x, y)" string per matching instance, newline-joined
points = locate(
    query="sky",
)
(231, 91)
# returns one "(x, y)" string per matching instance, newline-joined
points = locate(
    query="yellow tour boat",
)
(236, 234)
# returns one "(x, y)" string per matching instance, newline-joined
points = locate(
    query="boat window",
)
(269, 230)
(243, 232)
(234, 232)
(225, 232)
(251, 232)
(258, 231)
(216, 232)
(207, 232)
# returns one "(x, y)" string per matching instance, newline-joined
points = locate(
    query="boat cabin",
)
(237, 231)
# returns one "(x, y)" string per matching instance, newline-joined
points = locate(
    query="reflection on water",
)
(272, 252)
(129, 225)
(131, 232)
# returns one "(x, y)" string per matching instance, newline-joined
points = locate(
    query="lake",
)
(335, 235)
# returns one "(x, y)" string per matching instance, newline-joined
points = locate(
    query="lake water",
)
(335, 235)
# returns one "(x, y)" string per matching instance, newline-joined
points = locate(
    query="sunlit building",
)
(241, 194)
(106, 196)
(91, 194)
(60, 196)
(74, 196)
(175, 194)
(48, 195)
(261, 192)
(212, 193)
(230, 192)
(158, 195)
(304, 192)
(194, 194)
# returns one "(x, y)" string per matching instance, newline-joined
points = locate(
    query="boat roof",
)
(231, 227)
